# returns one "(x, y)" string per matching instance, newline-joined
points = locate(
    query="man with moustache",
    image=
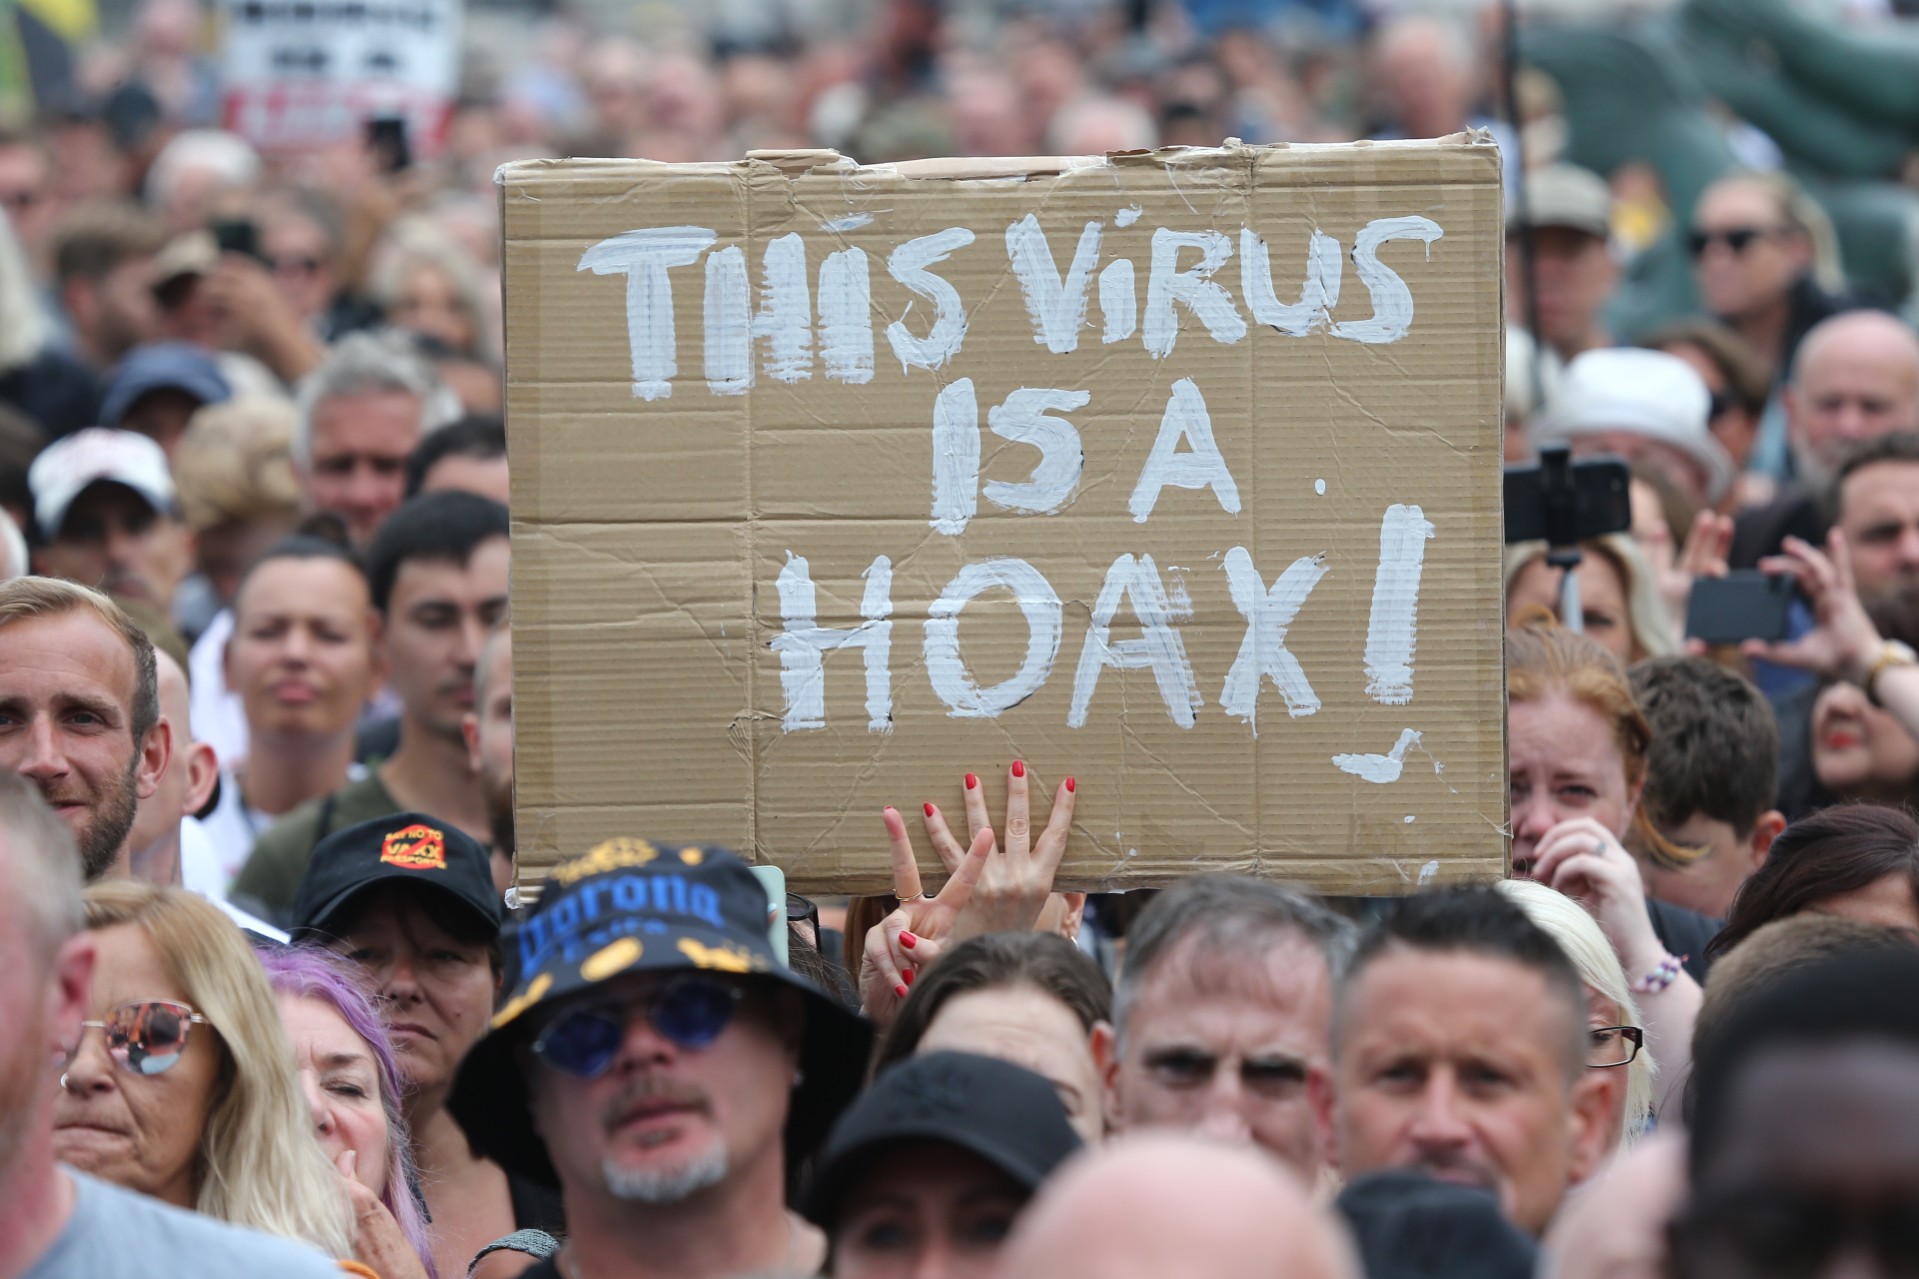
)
(438, 573)
(659, 1064)
(1459, 1051)
(80, 712)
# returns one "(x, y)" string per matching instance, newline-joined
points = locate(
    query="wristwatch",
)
(1891, 653)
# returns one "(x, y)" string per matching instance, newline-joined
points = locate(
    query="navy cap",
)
(162, 366)
(423, 852)
(1005, 1114)
(630, 906)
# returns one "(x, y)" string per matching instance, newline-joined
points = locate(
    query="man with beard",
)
(438, 573)
(661, 1066)
(1459, 1050)
(488, 729)
(80, 712)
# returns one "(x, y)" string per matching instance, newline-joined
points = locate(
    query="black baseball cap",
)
(402, 848)
(1005, 1114)
(1408, 1225)
(631, 906)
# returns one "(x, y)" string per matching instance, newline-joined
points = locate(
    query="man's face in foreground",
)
(1223, 1045)
(1463, 1066)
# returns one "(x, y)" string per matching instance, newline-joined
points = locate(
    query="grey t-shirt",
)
(117, 1234)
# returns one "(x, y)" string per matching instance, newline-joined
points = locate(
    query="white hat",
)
(68, 466)
(1646, 393)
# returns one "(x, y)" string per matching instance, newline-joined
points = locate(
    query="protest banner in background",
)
(306, 73)
(1178, 472)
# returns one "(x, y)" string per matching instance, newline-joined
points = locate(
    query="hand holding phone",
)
(1742, 605)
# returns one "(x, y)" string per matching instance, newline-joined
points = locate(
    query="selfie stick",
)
(1562, 530)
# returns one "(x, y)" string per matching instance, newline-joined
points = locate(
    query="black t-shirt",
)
(1684, 933)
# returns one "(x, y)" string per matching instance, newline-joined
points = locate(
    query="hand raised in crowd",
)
(1843, 641)
(1585, 861)
(256, 318)
(909, 939)
(1018, 880)
(1708, 543)
(1009, 893)
(378, 1243)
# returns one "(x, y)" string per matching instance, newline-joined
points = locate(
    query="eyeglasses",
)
(1720, 402)
(147, 1036)
(1611, 1046)
(691, 1011)
(1738, 239)
(800, 910)
(1774, 1232)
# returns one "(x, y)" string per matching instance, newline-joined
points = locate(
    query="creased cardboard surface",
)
(659, 520)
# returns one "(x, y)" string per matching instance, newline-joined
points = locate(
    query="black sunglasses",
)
(1738, 239)
(800, 910)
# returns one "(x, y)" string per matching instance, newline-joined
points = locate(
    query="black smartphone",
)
(1745, 604)
(237, 235)
(386, 139)
(1565, 502)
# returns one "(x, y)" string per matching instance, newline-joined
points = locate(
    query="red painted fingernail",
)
(1019, 769)
(1070, 785)
(900, 991)
(972, 782)
(908, 940)
(929, 810)
(907, 977)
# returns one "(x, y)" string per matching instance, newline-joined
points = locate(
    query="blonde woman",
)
(1618, 593)
(1612, 1017)
(182, 1086)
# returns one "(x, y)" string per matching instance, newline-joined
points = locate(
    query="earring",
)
(63, 1082)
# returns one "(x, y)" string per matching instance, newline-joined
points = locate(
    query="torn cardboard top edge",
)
(969, 168)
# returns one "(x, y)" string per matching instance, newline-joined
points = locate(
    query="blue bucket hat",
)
(626, 907)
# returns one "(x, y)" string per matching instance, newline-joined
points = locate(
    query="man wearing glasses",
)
(55, 1222)
(659, 1065)
(1460, 1050)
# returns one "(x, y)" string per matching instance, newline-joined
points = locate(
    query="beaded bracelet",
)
(1659, 978)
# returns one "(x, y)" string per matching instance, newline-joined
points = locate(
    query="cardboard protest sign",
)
(306, 73)
(1177, 472)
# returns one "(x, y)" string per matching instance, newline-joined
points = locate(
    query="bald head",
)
(1161, 1204)
(1855, 377)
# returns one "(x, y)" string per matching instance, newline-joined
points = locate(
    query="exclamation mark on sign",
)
(1391, 632)
(1395, 617)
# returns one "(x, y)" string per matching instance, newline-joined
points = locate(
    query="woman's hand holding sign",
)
(992, 888)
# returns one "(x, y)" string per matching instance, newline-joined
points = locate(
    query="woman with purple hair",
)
(352, 1085)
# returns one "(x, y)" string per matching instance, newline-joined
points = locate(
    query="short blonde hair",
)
(1567, 923)
(235, 464)
(260, 1165)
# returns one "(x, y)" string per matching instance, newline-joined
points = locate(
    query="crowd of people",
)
(288, 1011)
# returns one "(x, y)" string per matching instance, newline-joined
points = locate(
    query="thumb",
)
(346, 1163)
